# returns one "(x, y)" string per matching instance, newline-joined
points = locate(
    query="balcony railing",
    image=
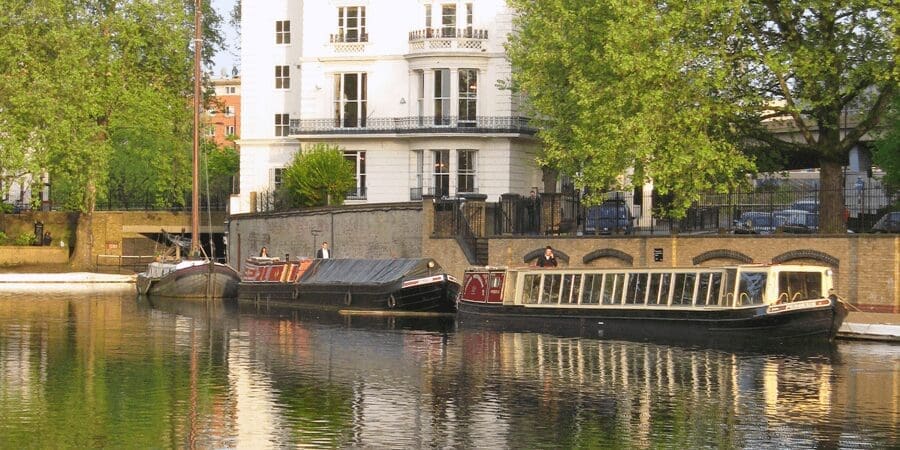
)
(341, 38)
(447, 39)
(414, 125)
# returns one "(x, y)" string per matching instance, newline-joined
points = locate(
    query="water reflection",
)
(112, 371)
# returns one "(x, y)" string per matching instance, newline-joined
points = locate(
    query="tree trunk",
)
(549, 178)
(82, 256)
(82, 247)
(831, 198)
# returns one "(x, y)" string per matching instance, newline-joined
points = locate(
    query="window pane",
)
(751, 288)
(684, 288)
(612, 286)
(798, 286)
(591, 294)
(715, 289)
(551, 289)
(530, 289)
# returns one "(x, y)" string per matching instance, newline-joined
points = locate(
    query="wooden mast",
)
(195, 189)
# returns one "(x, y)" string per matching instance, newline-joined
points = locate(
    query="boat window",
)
(659, 289)
(592, 283)
(751, 288)
(531, 288)
(684, 288)
(637, 289)
(702, 288)
(715, 289)
(551, 289)
(797, 286)
(612, 288)
(571, 288)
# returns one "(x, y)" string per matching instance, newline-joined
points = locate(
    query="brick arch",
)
(534, 254)
(807, 254)
(608, 253)
(721, 254)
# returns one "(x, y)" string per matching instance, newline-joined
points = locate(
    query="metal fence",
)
(752, 211)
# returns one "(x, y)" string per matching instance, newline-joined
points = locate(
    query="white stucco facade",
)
(415, 104)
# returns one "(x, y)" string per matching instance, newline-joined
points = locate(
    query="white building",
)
(409, 88)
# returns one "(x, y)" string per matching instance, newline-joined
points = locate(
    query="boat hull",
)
(438, 295)
(201, 281)
(719, 326)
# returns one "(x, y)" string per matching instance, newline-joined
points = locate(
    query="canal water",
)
(92, 371)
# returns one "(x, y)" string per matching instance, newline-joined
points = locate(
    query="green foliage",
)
(681, 93)
(25, 239)
(87, 84)
(319, 175)
(3, 238)
(887, 149)
(221, 164)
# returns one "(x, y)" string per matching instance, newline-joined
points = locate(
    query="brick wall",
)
(17, 255)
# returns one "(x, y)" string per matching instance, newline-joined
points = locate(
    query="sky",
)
(226, 59)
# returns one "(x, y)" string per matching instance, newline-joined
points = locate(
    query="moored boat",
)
(713, 305)
(189, 279)
(198, 276)
(417, 284)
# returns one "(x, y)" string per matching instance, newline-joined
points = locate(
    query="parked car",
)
(797, 221)
(755, 222)
(810, 206)
(611, 216)
(888, 223)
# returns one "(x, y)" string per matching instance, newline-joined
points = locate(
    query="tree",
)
(79, 74)
(220, 164)
(318, 175)
(887, 149)
(680, 93)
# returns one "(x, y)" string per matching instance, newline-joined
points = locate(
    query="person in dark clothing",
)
(264, 252)
(324, 252)
(47, 238)
(533, 210)
(547, 259)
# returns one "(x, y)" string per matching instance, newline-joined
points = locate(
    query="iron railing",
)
(413, 124)
(791, 210)
(447, 32)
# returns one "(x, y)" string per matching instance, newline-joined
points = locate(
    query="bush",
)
(319, 175)
(3, 238)
(24, 239)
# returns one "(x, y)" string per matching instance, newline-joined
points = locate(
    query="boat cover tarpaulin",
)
(374, 275)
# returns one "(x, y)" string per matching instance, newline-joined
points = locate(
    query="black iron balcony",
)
(415, 125)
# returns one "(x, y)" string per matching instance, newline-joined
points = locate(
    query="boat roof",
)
(787, 266)
(356, 272)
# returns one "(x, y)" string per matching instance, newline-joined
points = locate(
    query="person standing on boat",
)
(324, 252)
(263, 252)
(548, 259)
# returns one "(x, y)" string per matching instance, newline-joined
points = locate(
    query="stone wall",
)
(31, 255)
(389, 230)
(866, 266)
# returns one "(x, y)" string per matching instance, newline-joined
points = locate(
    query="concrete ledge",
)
(30, 255)
(871, 326)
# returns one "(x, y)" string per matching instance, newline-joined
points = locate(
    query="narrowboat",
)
(706, 304)
(417, 284)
